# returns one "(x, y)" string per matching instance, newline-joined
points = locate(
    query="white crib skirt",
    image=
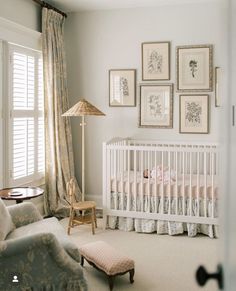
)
(160, 226)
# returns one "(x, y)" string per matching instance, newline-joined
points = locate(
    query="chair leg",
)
(70, 221)
(93, 222)
(69, 224)
(95, 217)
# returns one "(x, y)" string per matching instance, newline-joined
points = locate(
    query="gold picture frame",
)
(194, 114)
(156, 61)
(194, 68)
(156, 106)
(122, 87)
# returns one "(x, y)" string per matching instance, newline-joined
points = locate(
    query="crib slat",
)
(155, 167)
(128, 200)
(205, 184)
(212, 184)
(198, 181)
(142, 181)
(135, 180)
(149, 179)
(176, 182)
(115, 177)
(118, 159)
(122, 179)
(169, 190)
(125, 160)
(109, 179)
(183, 183)
(190, 183)
(162, 181)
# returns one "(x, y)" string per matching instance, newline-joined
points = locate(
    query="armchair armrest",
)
(24, 213)
(39, 261)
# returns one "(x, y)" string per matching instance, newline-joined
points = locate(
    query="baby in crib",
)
(157, 172)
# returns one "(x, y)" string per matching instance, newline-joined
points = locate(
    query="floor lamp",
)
(83, 108)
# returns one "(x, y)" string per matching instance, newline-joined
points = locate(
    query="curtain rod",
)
(45, 4)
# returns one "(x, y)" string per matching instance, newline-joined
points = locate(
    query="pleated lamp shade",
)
(82, 108)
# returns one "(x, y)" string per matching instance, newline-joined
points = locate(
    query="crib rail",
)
(181, 184)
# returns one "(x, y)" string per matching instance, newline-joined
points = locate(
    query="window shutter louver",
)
(26, 143)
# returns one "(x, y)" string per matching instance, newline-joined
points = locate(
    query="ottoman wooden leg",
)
(131, 276)
(82, 261)
(111, 282)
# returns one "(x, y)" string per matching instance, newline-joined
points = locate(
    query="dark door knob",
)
(202, 276)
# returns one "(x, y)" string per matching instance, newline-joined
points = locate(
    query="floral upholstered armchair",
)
(35, 253)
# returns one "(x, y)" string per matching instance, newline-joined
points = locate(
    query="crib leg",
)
(104, 221)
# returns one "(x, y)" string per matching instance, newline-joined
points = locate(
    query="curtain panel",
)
(58, 139)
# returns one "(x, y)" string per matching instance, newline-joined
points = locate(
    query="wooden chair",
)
(87, 209)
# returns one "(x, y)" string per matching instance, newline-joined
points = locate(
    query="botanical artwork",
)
(194, 113)
(156, 106)
(194, 68)
(155, 61)
(122, 87)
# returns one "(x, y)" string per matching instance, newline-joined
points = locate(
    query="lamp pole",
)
(83, 156)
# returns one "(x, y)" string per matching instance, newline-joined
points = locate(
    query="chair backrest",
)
(70, 189)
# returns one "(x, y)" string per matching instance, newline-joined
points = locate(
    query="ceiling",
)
(88, 5)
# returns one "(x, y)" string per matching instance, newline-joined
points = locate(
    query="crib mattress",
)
(196, 189)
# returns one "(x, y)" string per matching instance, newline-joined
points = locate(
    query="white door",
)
(230, 201)
(228, 164)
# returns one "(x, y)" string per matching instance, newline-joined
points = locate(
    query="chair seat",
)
(84, 205)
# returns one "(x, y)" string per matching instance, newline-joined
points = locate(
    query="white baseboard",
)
(96, 198)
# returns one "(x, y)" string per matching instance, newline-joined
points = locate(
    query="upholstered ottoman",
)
(105, 258)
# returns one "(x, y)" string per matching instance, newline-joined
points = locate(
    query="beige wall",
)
(102, 40)
(24, 12)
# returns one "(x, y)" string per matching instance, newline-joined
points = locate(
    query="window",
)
(26, 122)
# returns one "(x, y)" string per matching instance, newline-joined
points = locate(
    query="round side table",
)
(20, 193)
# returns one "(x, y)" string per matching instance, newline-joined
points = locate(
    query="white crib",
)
(182, 190)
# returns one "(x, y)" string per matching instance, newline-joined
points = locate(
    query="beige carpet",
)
(162, 262)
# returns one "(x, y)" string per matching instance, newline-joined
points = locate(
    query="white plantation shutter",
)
(26, 122)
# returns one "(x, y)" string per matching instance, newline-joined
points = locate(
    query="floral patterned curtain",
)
(58, 139)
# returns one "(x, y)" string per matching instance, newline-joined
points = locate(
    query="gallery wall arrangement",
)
(194, 77)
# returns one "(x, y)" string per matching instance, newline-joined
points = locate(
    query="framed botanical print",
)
(156, 106)
(122, 87)
(155, 61)
(194, 68)
(194, 114)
